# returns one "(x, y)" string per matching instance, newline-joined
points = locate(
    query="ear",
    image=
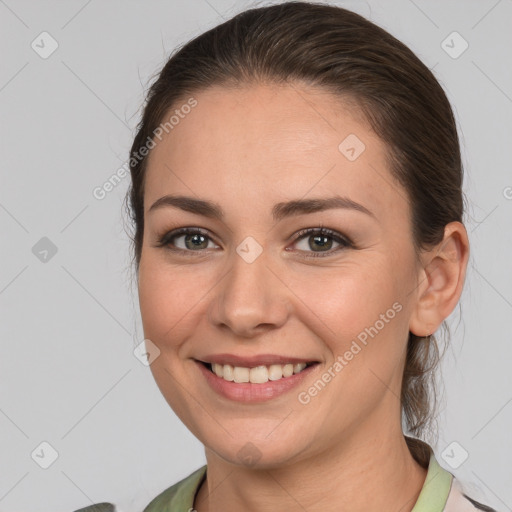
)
(440, 280)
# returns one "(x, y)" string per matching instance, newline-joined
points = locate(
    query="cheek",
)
(170, 298)
(364, 308)
(367, 333)
(158, 290)
(351, 297)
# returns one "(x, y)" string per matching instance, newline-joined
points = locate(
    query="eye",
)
(320, 240)
(313, 240)
(192, 240)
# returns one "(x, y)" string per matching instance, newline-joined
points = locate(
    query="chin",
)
(256, 453)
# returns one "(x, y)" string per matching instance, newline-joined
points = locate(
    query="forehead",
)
(273, 142)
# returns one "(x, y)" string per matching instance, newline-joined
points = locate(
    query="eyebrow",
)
(279, 211)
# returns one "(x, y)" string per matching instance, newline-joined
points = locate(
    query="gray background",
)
(70, 323)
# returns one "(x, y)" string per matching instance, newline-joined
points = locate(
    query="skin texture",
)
(247, 149)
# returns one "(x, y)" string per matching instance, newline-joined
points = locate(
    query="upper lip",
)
(253, 361)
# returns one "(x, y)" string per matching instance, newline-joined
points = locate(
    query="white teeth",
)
(258, 374)
(227, 371)
(218, 369)
(297, 368)
(275, 372)
(241, 374)
(288, 370)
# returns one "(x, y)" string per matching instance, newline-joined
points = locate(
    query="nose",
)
(250, 299)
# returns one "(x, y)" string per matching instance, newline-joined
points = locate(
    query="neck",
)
(368, 474)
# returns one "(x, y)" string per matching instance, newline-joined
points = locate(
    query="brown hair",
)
(344, 53)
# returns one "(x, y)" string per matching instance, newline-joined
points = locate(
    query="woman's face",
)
(250, 284)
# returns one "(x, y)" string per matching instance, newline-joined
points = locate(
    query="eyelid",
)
(322, 231)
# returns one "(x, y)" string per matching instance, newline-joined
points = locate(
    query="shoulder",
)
(98, 507)
(178, 497)
(459, 501)
(441, 491)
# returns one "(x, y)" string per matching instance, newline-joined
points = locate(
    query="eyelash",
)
(345, 243)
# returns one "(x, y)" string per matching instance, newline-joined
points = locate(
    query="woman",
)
(296, 197)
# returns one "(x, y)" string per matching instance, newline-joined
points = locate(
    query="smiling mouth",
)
(258, 374)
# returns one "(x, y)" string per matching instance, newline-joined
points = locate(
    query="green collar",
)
(180, 497)
(435, 490)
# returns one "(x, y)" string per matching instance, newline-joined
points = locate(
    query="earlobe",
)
(441, 280)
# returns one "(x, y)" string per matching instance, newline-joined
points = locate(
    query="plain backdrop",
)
(73, 396)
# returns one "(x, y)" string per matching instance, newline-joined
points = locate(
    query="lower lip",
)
(249, 392)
